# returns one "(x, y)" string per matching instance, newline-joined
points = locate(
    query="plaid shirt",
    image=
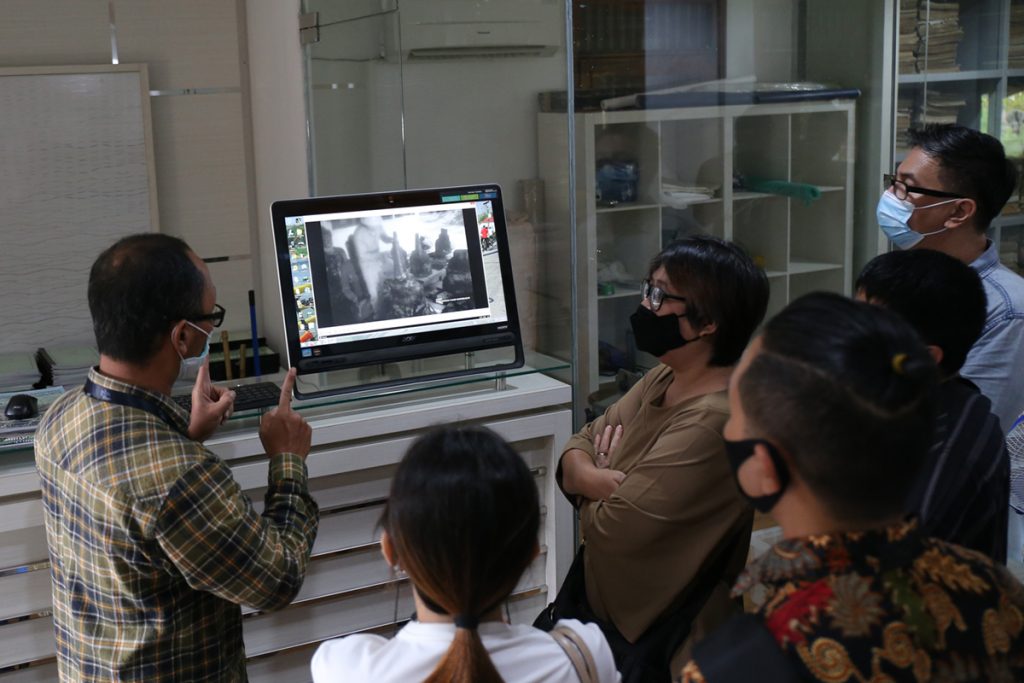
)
(153, 546)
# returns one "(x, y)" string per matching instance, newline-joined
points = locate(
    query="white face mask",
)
(189, 367)
(893, 216)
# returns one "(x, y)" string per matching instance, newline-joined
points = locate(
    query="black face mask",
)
(739, 452)
(657, 334)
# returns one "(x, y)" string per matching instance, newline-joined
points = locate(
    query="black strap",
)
(131, 401)
(743, 650)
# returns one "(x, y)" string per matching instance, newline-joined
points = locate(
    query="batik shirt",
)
(153, 546)
(887, 605)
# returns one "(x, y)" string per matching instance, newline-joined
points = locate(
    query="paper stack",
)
(905, 115)
(68, 365)
(680, 196)
(18, 371)
(908, 36)
(939, 35)
(942, 107)
(1016, 56)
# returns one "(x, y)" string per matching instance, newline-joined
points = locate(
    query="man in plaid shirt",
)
(153, 546)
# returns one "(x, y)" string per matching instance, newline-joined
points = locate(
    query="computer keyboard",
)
(247, 396)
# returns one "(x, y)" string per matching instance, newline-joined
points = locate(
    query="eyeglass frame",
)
(647, 291)
(891, 181)
(216, 318)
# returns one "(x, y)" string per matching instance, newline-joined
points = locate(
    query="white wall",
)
(279, 135)
(468, 121)
(381, 124)
(760, 39)
(193, 49)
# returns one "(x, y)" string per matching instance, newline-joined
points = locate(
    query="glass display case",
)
(963, 62)
(408, 95)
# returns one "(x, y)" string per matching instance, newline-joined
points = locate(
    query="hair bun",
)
(898, 360)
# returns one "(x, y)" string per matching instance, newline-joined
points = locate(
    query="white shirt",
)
(520, 653)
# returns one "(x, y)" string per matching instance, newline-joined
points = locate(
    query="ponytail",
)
(463, 518)
(466, 661)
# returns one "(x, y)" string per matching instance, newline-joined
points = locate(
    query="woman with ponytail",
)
(462, 522)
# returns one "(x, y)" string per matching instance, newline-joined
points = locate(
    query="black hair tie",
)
(466, 621)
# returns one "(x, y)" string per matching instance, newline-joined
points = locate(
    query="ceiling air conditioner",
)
(461, 29)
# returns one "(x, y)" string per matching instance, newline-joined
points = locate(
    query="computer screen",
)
(382, 277)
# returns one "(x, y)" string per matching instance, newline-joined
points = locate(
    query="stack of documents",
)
(681, 196)
(18, 371)
(908, 36)
(68, 365)
(906, 114)
(942, 107)
(1016, 55)
(939, 35)
(930, 35)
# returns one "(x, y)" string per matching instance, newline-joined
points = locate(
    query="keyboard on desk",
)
(247, 396)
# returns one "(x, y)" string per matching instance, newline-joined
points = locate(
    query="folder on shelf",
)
(18, 371)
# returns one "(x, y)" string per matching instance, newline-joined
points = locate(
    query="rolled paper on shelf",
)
(225, 345)
(241, 361)
(802, 191)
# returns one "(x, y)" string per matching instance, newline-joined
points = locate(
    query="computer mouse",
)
(21, 407)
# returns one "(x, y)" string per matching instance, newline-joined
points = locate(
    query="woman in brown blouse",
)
(659, 509)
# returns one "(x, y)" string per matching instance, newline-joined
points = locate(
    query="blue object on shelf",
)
(616, 182)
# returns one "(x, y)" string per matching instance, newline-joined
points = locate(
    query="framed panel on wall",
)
(78, 173)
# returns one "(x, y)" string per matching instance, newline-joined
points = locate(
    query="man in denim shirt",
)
(944, 196)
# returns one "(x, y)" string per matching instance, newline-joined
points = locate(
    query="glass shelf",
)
(433, 388)
(625, 207)
(800, 267)
(13, 458)
(951, 76)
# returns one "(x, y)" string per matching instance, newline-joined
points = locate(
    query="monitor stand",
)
(473, 369)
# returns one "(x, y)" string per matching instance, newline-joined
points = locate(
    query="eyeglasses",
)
(657, 295)
(216, 318)
(901, 189)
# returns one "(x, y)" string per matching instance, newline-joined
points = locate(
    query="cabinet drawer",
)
(27, 641)
(371, 607)
(341, 572)
(41, 673)
(22, 547)
(24, 594)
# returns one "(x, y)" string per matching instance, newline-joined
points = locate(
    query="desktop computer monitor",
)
(392, 276)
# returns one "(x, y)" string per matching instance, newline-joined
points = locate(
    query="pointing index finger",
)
(203, 383)
(286, 390)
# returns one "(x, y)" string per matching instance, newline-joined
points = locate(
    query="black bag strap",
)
(743, 650)
(648, 659)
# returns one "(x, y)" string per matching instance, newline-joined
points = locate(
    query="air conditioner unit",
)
(459, 29)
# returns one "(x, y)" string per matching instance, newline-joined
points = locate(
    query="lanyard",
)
(129, 400)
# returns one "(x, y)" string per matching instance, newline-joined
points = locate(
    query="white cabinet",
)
(348, 587)
(803, 245)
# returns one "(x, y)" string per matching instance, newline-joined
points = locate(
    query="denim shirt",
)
(996, 361)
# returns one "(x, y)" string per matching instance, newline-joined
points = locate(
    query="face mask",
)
(893, 216)
(189, 367)
(656, 334)
(741, 451)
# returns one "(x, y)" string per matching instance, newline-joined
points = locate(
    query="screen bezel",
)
(400, 347)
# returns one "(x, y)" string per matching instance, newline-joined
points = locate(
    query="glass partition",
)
(767, 122)
(756, 121)
(962, 63)
(433, 93)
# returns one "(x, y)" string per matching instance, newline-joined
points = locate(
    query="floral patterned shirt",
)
(887, 605)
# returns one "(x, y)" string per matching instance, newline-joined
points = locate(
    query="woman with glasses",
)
(664, 527)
